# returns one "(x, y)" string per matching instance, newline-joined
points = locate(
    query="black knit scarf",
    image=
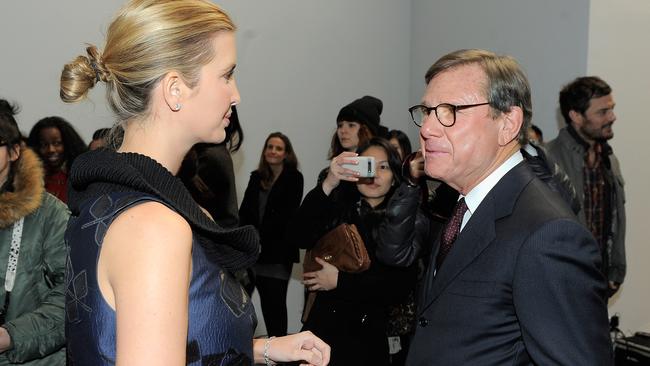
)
(104, 171)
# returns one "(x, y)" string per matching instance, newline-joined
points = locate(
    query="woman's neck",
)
(151, 141)
(276, 169)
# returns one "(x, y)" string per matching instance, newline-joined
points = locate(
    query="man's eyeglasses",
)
(445, 112)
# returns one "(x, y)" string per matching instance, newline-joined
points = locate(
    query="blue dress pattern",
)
(221, 315)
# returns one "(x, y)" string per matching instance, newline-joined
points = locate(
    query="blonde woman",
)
(149, 277)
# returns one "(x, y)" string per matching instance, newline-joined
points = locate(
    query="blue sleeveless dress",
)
(221, 315)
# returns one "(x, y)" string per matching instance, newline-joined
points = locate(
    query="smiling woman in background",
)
(57, 143)
(272, 197)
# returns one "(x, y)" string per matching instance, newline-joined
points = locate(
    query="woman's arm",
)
(144, 274)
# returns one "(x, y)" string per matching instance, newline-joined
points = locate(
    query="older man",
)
(581, 149)
(514, 278)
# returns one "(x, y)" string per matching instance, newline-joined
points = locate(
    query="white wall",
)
(619, 52)
(548, 38)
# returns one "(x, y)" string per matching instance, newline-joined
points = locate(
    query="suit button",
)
(423, 322)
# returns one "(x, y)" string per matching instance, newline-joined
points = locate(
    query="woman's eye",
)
(228, 76)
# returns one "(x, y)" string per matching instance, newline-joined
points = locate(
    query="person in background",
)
(149, 273)
(535, 135)
(350, 309)
(208, 173)
(100, 138)
(58, 144)
(481, 303)
(32, 256)
(582, 150)
(272, 197)
(356, 123)
(400, 142)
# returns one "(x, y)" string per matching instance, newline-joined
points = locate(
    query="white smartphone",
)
(365, 166)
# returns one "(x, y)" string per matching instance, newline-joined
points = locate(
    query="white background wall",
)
(619, 52)
(300, 61)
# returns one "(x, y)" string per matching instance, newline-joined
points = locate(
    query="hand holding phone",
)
(365, 166)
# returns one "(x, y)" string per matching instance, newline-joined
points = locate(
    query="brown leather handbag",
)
(343, 247)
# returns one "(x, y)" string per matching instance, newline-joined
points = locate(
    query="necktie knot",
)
(451, 230)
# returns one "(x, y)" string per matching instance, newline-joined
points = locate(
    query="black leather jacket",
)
(404, 222)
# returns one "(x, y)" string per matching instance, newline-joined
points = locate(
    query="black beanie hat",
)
(364, 110)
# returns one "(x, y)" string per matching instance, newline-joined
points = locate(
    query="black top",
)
(104, 171)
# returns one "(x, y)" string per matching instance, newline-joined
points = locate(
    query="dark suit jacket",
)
(521, 286)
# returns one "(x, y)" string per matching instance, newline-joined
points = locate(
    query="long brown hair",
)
(290, 160)
(364, 135)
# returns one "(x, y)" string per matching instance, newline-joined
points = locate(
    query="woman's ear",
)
(174, 90)
(14, 152)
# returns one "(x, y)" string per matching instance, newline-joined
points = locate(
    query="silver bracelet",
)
(267, 345)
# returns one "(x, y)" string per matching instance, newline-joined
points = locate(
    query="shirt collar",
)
(478, 193)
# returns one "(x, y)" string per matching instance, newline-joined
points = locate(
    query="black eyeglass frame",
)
(453, 107)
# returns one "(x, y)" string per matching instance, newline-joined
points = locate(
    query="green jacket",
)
(570, 155)
(35, 316)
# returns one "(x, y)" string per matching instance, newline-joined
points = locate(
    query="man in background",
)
(581, 149)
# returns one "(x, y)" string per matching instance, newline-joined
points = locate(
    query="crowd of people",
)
(486, 244)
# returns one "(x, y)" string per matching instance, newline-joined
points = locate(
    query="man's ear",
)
(511, 123)
(174, 90)
(576, 118)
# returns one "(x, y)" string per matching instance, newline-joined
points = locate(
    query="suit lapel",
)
(479, 232)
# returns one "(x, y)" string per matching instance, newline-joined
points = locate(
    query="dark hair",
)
(364, 135)
(189, 170)
(9, 132)
(394, 160)
(506, 84)
(538, 131)
(9, 136)
(234, 132)
(403, 140)
(73, 144)
(101, 133)
(290, 159)
(577, 95)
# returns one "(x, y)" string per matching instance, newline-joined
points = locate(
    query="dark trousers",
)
(273, 299)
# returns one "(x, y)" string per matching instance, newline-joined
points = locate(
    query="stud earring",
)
(177, 107)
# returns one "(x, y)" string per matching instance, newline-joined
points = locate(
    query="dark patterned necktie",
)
(450, 231)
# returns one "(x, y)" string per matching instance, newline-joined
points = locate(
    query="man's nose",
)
(430, 126)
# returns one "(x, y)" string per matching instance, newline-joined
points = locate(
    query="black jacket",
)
(282, 202)
(352, 318)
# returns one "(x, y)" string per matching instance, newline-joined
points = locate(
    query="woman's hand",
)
(303, 346)
(324, 279)
(413, 167)
(337, 172)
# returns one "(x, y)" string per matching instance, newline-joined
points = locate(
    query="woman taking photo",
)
(272, 197)
(57, 144)
(350, 309)
(149, 280)
(356, 123)
(32, 256)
